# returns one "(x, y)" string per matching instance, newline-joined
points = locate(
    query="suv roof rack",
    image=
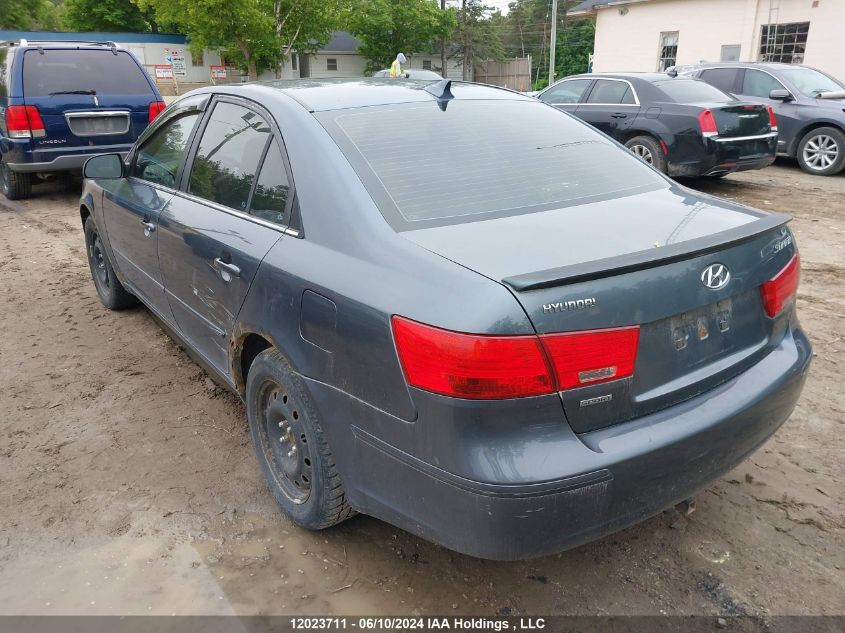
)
(25, 42)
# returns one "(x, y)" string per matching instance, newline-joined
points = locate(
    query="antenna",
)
(442, 90)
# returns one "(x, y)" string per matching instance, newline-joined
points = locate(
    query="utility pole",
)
(553, 43)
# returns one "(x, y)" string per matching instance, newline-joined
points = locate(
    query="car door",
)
(756, 85)
(132, 205)
(566, 95)
(611, 106)
(210, 244)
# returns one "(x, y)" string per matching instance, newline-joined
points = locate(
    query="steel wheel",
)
(98, 263)
(284, 443)
(643, 152)
(820, 152)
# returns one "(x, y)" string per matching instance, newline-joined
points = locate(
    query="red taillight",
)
(24, 122)
(476, 366)
(779, 292)
(708, 124)
(155, 109)
(469, 365)
(587, 358)
(772, 119)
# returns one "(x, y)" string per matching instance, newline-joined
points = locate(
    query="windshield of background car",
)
(100, 70)
(810, 82)
(692, 91)
(478, 159)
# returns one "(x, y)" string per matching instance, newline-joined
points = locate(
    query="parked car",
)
(680, 126)
(410, 73)
(63, 102)
(809, 106)
(554, 342)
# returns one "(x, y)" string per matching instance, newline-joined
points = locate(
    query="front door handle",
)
(227, 271)
(149, 227)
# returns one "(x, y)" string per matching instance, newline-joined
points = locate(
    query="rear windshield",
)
(481, 159)
(59, 70)
(692, 91)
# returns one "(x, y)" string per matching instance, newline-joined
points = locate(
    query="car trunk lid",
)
(741, 119)
(602, 266)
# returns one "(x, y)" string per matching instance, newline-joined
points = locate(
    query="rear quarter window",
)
(4, 70)
(692, 91)
(54, 71)
(482, 159)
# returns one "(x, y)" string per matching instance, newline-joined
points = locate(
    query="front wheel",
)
(822, 151)
(648, 150)
(292, 450)
(111, 292)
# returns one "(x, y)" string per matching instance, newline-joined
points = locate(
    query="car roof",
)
(72, 44)
(642, 76)
(318, 95)
(770, 65)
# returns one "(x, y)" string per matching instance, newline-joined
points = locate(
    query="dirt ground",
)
(128, 484)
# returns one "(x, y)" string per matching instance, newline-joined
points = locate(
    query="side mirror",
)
(780, 95)
(104, 166)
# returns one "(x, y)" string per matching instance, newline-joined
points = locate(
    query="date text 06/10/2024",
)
(417, 623)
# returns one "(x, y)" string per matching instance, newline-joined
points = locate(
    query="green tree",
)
(104, 15)
(28, 14)
(476, 37)
(388, 27)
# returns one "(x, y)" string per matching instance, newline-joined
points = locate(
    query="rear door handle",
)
(619, 115)
(149, 227)
(223, 267)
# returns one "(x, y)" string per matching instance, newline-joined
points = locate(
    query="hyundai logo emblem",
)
(716, 276)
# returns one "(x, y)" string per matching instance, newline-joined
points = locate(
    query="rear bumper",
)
(609, 479)
(20, 158)
(725, 156)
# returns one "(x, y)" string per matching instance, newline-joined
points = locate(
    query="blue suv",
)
(63, 102)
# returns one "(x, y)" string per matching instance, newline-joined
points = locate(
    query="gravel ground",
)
(128, 483)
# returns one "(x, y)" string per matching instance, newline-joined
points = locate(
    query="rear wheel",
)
(111, 292)
(822, 151)
(14, 185)
(292, 450)
(648, 150)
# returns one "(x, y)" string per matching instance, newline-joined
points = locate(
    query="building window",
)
(668, 50)
(730, 52)
(331, 63)
(426, 64)
(784, 42)
(196, 59)
(293, 62)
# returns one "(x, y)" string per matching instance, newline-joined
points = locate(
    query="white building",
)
(650, 35)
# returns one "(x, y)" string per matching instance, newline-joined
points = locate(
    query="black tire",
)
(292, 450)
(111, 292)
(14, 185)
(822, 151)
(647, 149)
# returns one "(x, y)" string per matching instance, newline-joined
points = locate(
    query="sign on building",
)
(164, 71)
(176, 59)
(218, 72)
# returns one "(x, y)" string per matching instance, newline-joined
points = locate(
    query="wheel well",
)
(250, 347)
(632, 133)
(793, 150)
(84, 212)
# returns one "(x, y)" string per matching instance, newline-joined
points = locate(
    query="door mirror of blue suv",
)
(780, 95)
(104, 166)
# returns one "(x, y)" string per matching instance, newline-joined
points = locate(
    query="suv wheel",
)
(292, 450)
(14, 185)
(822, 151)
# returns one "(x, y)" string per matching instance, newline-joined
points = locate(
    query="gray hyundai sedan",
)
(453, 307)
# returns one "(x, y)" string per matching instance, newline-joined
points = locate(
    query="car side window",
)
(756, 83)
(271, 192)
(610, 92)
(159, 158)
(566, 91)
(722, 78)
(227, 158)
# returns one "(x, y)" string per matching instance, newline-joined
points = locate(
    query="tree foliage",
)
(476, 36)
(104, 15)
(388, 27)
(28, 15)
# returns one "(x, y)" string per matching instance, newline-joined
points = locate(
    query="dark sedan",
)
(551, 343)
(809, 106)
(681, 126)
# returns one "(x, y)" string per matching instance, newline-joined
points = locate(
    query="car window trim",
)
(590, 83)
(275, 132)
(612, 105)
(740, 80)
